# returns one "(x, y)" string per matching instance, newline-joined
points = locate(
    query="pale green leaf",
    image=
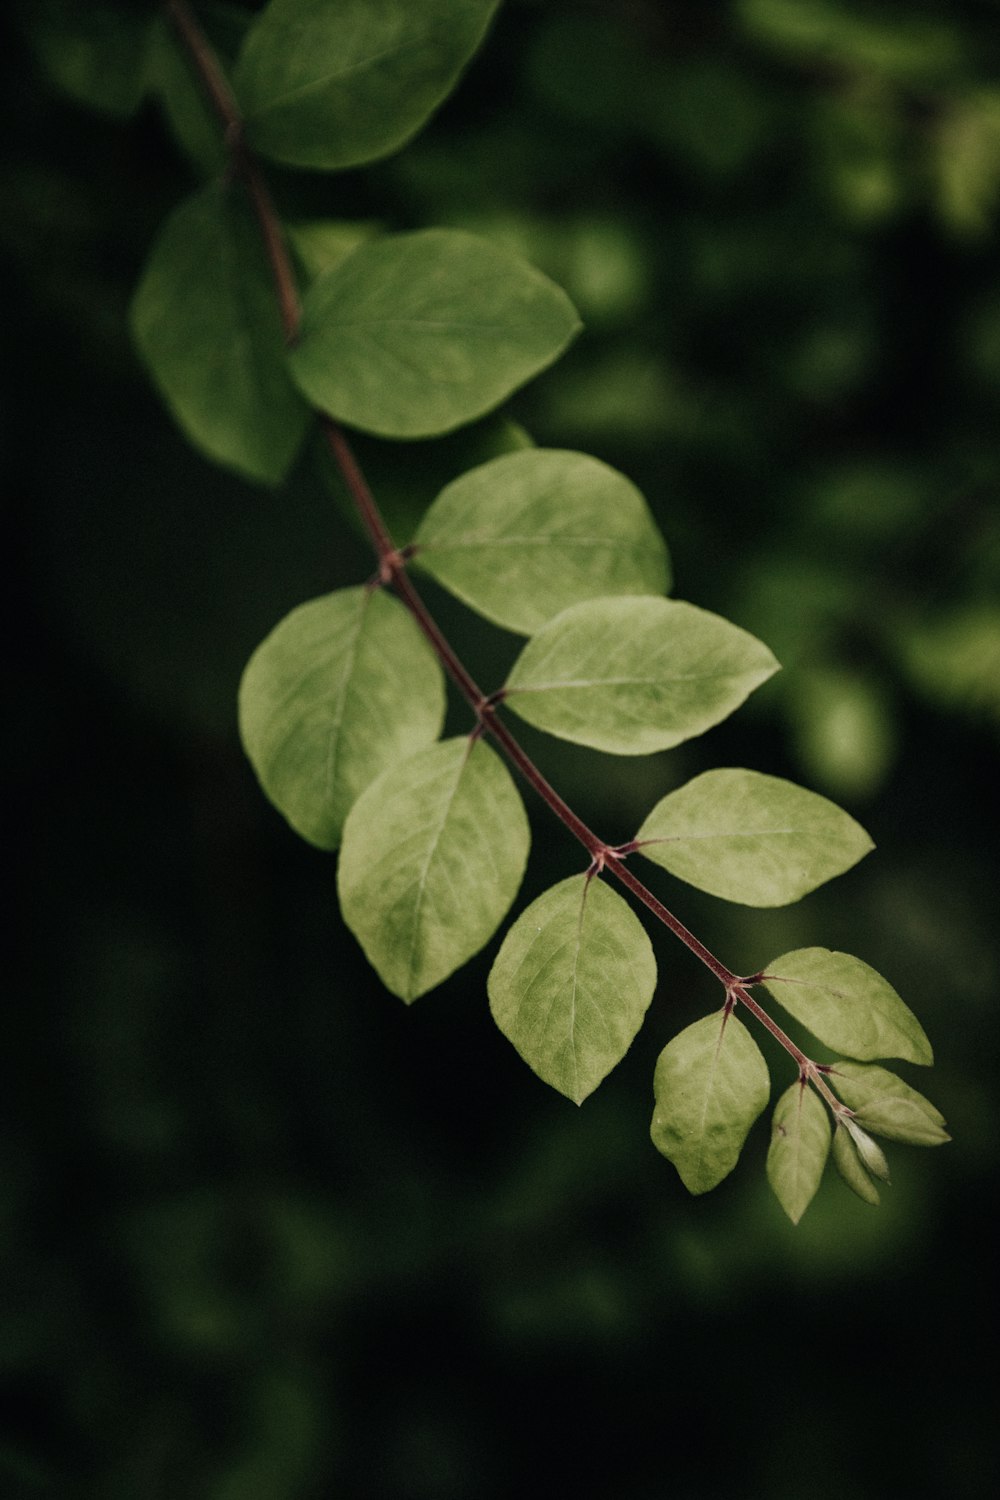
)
(529, 534)
(432, 857)
(634, 675)
(416, 334)
(870, 1153)
(800, 1144)
(206, 323)
(887, 1106)
(572, 983)
(847, 1005)
(331, 85)
(751, 838)
(342, 688)
(849, 1165)
(710, 1085)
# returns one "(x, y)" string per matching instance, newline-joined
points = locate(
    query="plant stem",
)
(392, 562)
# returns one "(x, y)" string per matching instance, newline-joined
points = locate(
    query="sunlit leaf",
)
(849, 1165)
(432, 857)
(800, 1144)
(887, 1106)
(416, 334)
(334, 85)
(342, 688)
(751, 838)
(847, 1005)
(529, 534)
(572, 982)
(206, 323)
(634, 675)
(710, 1085)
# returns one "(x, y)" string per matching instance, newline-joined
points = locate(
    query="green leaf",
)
(751, 838)
(192, 121)
(847, 1005)
(887, 1106)
(334, 85)
(416, 334)
(432, 857)
(635, 675)
(342, 688)
(870, 1153)
(849, 1165)
(529, 534)
(206, 323)
(572, 983)
(710, 1085)
(800, 1144)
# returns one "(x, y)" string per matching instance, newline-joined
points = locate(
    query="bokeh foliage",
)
(267, 1234)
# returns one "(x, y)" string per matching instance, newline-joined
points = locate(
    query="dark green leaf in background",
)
(331, 85)
(572, 983)
(529, 534)
(847, 1005)
(95, 54)
(800, 1145)
(751, 838)
(342, 688)
(887, 1106)
(710, 1085)
(634, 675)
(433, 854)
(416, 334)
(206, 323)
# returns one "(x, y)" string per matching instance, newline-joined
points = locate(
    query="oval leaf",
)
(432, 857)
(206, 323)
(529, 534)
(635, 675)
(572, 983)
(887, 1106)
(334, 85)
(751, 838)
(342, 688)
(800, 1145)
(416, 334)
(710, 1085)
(847, 1005)
(849, 1165)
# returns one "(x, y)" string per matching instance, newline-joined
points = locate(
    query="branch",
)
(392, 562)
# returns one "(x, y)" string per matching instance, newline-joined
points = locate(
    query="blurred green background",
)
(267, 1234)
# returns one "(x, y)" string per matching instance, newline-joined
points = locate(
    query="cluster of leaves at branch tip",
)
(415, 334)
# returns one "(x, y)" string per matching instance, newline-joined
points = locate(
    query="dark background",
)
(265, 1233)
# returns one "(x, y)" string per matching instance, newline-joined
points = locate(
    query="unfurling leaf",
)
(206, 323)
(529, 534)
(572, 983)
(751, 838)
(432, 857)
(710, 1085)
(887, 1106)
(870, 1153)
(800, 1144)
(634, 675)
(416, 334)
(847, 1005)
(343, 687)
(849, 1165)
(334, 85)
